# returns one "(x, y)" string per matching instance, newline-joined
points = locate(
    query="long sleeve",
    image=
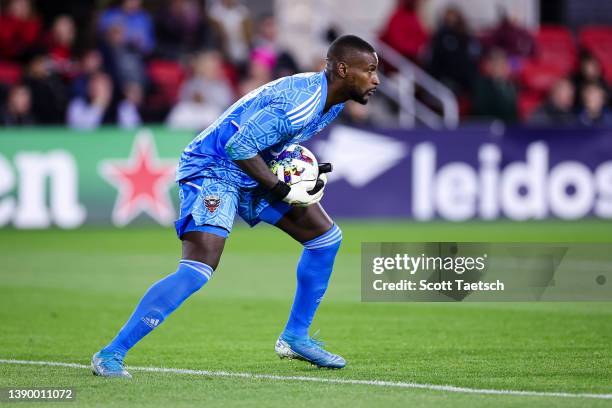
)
(266, 128)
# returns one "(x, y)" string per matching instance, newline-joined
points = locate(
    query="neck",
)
(335, 94)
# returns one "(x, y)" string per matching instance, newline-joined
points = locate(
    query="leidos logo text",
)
(521, 190)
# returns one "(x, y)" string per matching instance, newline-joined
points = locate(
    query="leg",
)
(203, 247)
(305, 223)
(203, 243)
(166, 295)
(312, 227)
(201, 254)
(321, 239)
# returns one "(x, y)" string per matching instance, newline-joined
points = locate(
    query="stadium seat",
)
(10, 73)
(592, 37)
(528, 102)
(540, 77)
(607, 72)
(564, 61)
(598, 41)
(603, 53)
(556, 46)
(166, 79)
(555, 35)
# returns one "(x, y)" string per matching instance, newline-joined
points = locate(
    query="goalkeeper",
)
(223, 172)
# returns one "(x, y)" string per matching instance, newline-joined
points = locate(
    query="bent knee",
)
(331, 238)
(203, 247)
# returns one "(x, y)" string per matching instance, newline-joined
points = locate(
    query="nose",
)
(375, 80)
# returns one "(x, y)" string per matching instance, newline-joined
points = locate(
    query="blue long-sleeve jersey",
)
(265, 121)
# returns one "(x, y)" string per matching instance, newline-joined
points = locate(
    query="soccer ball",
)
(296, 164)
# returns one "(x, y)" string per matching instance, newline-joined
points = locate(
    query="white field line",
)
(375, 383)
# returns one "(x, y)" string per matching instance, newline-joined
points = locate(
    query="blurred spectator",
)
(267, 39)
(404, 31)
(121, 60)
(209, 80)
(126, 38)
(235, 22)
(18, 109)
(59, 45)
(558, 108)
(136, 24)
(49, 93)
(20, 30)
(128, 115)
(260, 71)
(589, 71)
(509, 36)
(454, 53)
(89, 63)
(595, 111)
(495, 93)
(193, 114)
(89, 113)
(84, 14)
(204, 96)
(183, 26)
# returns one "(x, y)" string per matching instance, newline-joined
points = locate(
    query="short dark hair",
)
(343, 46)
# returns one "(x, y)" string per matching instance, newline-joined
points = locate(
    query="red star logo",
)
(142, 181)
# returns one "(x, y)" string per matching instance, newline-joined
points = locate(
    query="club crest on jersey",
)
(212, 202)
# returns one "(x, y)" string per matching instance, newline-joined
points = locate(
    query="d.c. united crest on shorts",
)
(212, 202)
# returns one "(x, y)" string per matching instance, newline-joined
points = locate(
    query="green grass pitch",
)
(63, 294)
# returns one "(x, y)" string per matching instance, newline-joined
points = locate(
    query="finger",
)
(324, 178)
(325, 168)
(318, 187)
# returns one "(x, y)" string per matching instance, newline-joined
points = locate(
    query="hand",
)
(322, 179)
(317, 192)
(299, 193)
(325, 168)
(301, 197)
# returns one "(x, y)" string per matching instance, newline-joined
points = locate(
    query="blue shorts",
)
(210, 205)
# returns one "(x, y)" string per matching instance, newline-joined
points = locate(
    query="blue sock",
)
(313, 272)
(158, 302)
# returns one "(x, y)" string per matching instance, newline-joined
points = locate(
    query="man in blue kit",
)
(223, 172)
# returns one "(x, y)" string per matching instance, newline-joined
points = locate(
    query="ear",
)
(342, 69)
